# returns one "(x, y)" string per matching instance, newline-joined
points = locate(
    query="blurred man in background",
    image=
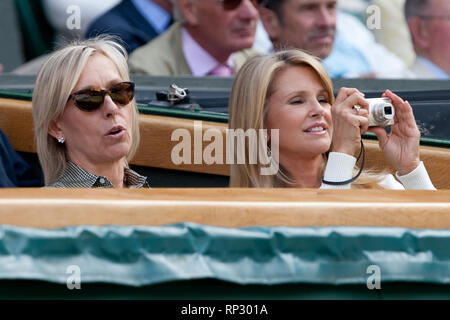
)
(429, 25)
(212, 38)
(309, 25)
(342, 41)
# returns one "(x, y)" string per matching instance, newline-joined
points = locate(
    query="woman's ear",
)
(54, 130)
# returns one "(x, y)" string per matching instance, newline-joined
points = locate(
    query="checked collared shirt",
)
(76, 177)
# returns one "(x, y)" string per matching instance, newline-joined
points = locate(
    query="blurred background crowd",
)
(355, 38)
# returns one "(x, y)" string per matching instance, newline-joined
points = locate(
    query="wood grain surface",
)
(156, 145)
(55, 208)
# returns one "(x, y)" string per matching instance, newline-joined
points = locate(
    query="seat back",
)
(37, 34)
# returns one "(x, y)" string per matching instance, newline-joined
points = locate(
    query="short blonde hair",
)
(252, 87)
(55, 82)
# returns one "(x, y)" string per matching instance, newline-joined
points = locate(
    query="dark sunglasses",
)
(229, 5)
(92, 99)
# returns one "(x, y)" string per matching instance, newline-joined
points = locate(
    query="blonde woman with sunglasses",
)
(85, 117)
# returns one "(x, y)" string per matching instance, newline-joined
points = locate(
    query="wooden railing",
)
(226, 207)
(156, 145)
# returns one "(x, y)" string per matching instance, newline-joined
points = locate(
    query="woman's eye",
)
(297, 101)
(323, 100)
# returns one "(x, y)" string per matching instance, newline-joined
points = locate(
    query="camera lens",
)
(388, 110)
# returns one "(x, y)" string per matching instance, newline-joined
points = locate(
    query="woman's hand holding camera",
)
(401, 146)
(349, 122)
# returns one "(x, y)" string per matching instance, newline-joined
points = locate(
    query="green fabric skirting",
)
(138, 256)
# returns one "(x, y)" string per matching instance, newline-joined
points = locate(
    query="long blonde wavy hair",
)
(251, 90)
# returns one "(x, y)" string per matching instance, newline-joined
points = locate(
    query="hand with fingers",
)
(349, 122)
(401, 146)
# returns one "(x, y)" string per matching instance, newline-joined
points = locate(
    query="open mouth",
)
(315, 129)
(115, 131)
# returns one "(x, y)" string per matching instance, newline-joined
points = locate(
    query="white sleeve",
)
(339, 168)
(389, 182)
(418, 179)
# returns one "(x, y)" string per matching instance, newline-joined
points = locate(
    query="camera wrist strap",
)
(362, 153)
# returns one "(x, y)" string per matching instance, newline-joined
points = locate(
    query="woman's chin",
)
(118, 153)
(320, 148)
(311, 152)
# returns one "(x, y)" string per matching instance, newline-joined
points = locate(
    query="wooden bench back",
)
(156, 145)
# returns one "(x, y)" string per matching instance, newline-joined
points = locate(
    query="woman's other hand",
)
(401, 146)
(349, 122)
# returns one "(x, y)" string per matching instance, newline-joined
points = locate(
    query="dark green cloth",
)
(140, 255)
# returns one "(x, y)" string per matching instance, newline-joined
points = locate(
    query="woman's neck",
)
(113, 171)
(305, 172)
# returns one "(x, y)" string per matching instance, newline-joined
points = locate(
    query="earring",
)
(61, 140)
(269, 152)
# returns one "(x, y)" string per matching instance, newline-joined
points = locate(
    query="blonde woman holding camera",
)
(318, 135)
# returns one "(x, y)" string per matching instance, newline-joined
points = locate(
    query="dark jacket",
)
(14, 171)
(125, 21)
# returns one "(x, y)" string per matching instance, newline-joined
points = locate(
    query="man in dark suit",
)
(136, 22)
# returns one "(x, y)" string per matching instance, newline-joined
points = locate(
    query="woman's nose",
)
(109, 106)
(317, 109)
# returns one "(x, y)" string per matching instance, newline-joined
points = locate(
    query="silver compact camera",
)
(381, 112)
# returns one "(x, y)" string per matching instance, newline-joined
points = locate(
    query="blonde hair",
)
(252, 87)
(55, 82)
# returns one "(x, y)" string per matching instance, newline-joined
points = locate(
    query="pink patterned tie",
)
(221, 70)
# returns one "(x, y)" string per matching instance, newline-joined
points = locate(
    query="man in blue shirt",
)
(429, 24)
(136, 22)
(345, 46)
